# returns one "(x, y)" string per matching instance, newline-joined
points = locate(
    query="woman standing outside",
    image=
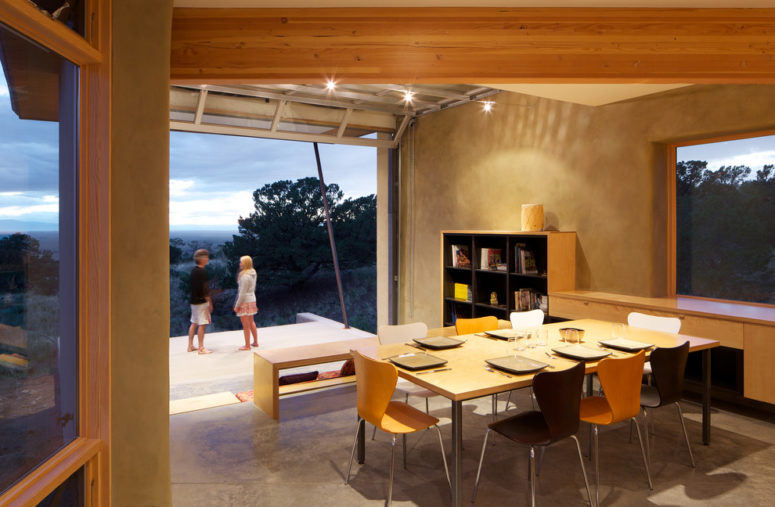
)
(245, 306)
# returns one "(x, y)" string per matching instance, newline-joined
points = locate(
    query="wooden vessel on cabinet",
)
(554, 253)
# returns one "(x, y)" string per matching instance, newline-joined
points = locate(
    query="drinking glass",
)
(618, 330)
(519, 341)
(531, 338)
(541, 337)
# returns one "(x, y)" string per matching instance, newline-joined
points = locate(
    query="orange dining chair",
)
(375, 383)
(620, 380)
(477, 325)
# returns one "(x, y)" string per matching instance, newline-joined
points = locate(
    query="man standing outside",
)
(201, 304)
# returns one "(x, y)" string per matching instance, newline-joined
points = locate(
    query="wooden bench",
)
(268, 363)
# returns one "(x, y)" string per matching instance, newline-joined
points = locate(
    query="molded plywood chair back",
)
(401, 332)
(477, 325)
(375, 382)
(620, 380)
(522, 320)
(654, 323)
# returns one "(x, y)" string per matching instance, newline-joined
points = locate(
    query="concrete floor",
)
(236, 455)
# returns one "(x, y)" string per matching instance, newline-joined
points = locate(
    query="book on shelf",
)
(452, 313)
(490, 258)
(528, 299)
(461, 256)
(463, 292)
(524, 260)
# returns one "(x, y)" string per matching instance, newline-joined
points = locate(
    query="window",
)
(725, 218)
(38, 270)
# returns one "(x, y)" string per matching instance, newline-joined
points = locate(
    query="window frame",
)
(672, 211)
(91, 54)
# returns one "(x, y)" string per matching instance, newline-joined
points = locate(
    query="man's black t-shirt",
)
(198, 285)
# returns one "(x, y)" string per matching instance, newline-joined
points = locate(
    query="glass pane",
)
(69, 12)
(726, 218)
(38, 377)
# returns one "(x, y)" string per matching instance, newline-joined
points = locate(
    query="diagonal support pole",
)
(331, 238)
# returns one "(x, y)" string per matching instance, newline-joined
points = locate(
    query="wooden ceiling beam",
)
(465, 45)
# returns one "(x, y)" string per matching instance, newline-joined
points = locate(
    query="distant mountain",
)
(12, 226)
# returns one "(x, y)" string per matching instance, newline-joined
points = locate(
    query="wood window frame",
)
(91, 53)
(672, 211)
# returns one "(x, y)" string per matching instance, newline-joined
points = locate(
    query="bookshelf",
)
(496, 264)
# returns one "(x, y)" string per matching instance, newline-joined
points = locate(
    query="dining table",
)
(466, 374)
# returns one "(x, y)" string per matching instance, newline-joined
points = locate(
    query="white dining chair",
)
(525, 320)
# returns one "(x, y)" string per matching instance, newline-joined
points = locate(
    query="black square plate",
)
(417, 361)
(626, 345)
(439, 342)
(516, 364)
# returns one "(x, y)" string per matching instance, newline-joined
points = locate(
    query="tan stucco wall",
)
(598, 171)
(139, 362)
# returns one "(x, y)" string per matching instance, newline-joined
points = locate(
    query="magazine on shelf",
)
(518, 257)
(529, 262)
(490, 258)
(461, 256)
(463, 292)
(527, 299)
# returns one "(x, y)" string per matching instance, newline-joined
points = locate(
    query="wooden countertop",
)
(757, 314)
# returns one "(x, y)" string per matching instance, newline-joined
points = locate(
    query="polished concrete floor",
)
(236, 455)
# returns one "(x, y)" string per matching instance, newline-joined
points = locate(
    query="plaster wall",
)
(599, 171)
(139, 306)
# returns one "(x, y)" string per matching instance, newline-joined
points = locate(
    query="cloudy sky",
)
(212, 178)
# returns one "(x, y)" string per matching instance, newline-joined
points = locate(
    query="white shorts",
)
(200, 314)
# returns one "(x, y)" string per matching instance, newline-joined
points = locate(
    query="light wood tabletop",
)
(468, 378)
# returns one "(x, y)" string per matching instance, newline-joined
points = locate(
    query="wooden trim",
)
(39, 483)
(25, 18)
(672, 238)
(487, 44)
(94, 251)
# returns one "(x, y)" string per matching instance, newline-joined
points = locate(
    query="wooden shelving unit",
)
(555, 255)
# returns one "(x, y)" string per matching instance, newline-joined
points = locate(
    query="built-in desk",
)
(750, 328)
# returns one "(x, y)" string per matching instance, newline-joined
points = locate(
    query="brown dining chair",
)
(375, 383)
(558, 394)
(668, 366)
(477, 325)
(620, 380)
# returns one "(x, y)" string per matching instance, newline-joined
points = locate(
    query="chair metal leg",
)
(646, 433)
(686, 435)
(629, 440)
(481, 460)
(352, 454)
(643, 451)
(494, 406)
(427, 410)
(597, 464)
(374, 433)
(443, 456)
(540, 461)
(507, 402)
(392, 467)
(532, 477)
(403, 446)
(583, 469)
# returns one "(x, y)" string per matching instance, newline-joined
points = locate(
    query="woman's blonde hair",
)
(245, 264)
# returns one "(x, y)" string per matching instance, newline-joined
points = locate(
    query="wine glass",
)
(618, 330)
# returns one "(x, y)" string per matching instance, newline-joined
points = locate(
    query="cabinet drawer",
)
(576, 309)
(759, 356)
(728, 333)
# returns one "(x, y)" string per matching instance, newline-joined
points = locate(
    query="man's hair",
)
(200, 254)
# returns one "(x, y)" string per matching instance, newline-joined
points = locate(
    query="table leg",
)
(457, 454)
(590, 384)
(706, 396)
(362, 442)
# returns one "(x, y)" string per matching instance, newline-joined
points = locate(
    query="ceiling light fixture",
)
(330, 85)
(487, 105)
(408, 95)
